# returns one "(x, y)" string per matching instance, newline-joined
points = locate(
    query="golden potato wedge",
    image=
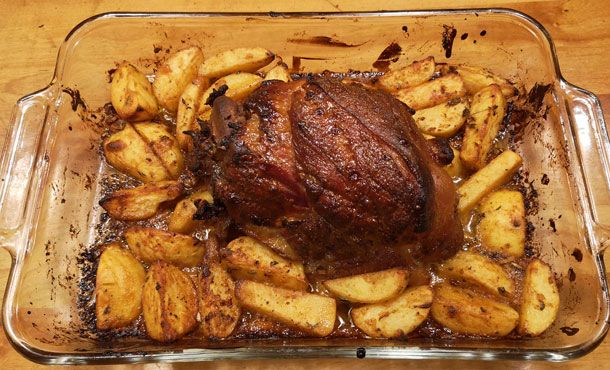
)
(247, 258)
(487, 112)
(169, 303)
(118, 288)
(465, 312)
(479, 270)
(272, 238)
(152, 245)
(141, 202)
(279, 72)
(174, 75)
(239, 85)
(218, 305)
(164, 145)
(311, 313)
(181, 220)
(502, 226)
(235, 60)
(477, 78)
(540, 299)
(126, 151)
(131, 94)
(433, 92)
(397, 317)
(372, 287)
(443, 120)
(456, 169)
(487, 179)
(411, 75)
(187, 111)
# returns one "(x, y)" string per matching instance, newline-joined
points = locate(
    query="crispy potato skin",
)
(443, 120)
(394, 318)
(497, 173)
(540, 299)
(181, 220)
(247, 258)
(279, 72)
(164, 145)
(169, 303)
(142, 202)
(411, 75)
(272, 238)
(174, 75)
(236, 60)
(239, 85)
(218, 306)
(131, 94)
(502, 226)
(476, 79)
(465, 312)
(311, 313)
(433, 92)
(487, 111)
(476, 269)
(186, 115)
(152, 245)
(128, 152)
(118, 288)
(372, 287)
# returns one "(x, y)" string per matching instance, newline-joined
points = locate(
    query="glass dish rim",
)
(399, 352)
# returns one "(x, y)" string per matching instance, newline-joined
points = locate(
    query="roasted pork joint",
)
(343, 168)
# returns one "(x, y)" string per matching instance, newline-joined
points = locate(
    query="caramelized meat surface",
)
(342, 168)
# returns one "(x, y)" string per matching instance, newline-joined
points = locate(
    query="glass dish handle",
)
(593, 147)
(19, 152)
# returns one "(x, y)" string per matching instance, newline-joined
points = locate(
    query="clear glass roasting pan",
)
(51, 166)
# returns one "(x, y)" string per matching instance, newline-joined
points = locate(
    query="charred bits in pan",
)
(449, 33)
(389, 55)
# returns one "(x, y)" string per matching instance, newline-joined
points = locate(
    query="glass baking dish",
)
(49, 191)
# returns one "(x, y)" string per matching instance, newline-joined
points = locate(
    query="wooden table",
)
(33, 30)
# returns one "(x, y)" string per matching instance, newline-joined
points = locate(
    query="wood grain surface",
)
(32, 32)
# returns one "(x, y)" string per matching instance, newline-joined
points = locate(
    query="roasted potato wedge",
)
(465, 312)
(372, 287)
(187, 111)
(235, 60)
(218, 305)
(118, 288)
(502, 226)
(164, 145)
(311, 313)
(181, 220)
(141, 202)
(477, 78)
(152, 245)
(126, 151)
(487, 179)
(174, 75)
(456, 169)
(433, 92)
(487, 112)
(273, 239)
(540, 299)
(169, 303)
(479, 270)
(411, 75)
(394, 318)
(131, 94)
(239, 85)
(443, 120)
(247, 258)
(279, 72)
